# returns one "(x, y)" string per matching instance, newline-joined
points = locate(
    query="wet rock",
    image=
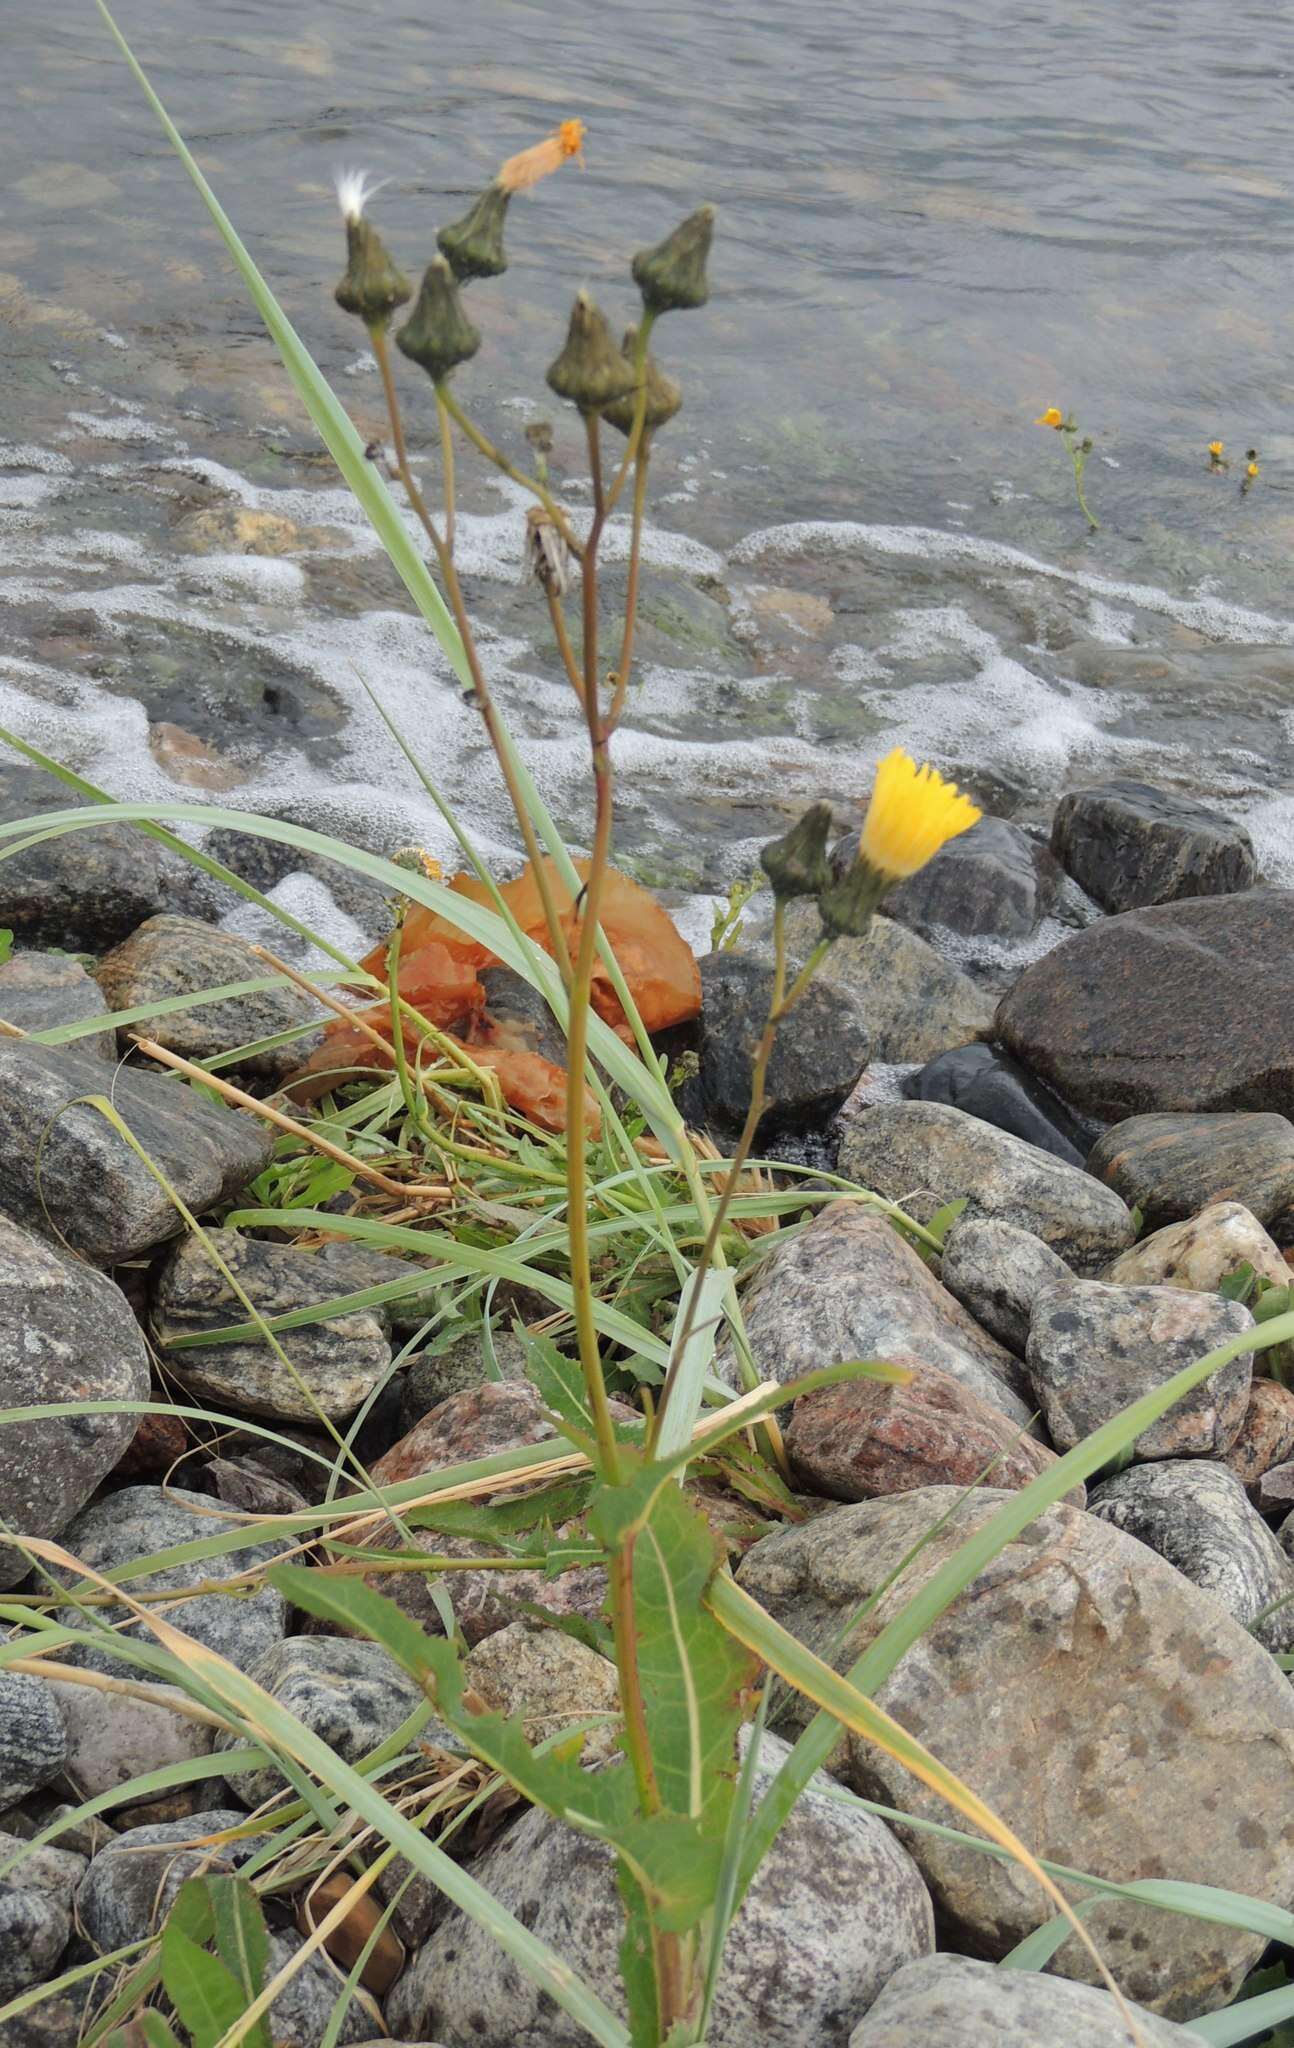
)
(550, 1679)
(864, 1438)
(83, 891)
(1093, 1349)
(1266, 1435)
(265, 863)
(33, 1740)
(351, 1693)
(180, 956)
(112, 1737)
(914, 1004)
(340, 1360)
(139, 1521)
(64, 1169)
(1112, 1677)
(850, 1287)
(1171, 1167)
(433, 1377)
(801, 1964)
(924, 1154)
(35, 1913)
(1196, 1515)
(41, 991)
(991, 882)
(130, 1886)
(66, 1334)
(1128, 843)
(986, 1082)
(948, 2001)
(816, 1059)
(997, 1273)
(520, 1017)
(1183, 1007)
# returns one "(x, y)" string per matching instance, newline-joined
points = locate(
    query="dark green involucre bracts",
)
(671, 277)
(438, 334)
(664, 396)
(848, 906)
(372, 286)
(796, 864)
(590, 371)
(473, 246)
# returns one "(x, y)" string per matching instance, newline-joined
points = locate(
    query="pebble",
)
(997, 1273)
(1128, 843)
(33, 1740)
(1173, 1167)
(433, 1376)
(35, 1913)
(987, 1083)
(171, 956)
(114, 1737)
(948, 2001)
(131, 1884)
(816, 1058)
(351, 1693)
(1274, 1492)
(41, 991)
(552, 1681)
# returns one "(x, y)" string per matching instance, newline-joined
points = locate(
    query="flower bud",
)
(672, 275)
(473, 246)
(590, 371)
(796, 864)
(848, 906)
(372, 286)
(438, 334)
(664, 396)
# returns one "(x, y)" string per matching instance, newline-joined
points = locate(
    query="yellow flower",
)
(1216, 447)
(913, 812)
(1053, 417)
(1251, 469)
(539, 161)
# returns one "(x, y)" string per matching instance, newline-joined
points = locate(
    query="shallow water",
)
(932, 226)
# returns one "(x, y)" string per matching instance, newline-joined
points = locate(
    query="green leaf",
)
(943, 1219)
(242, 1942)
(1238, 1286)
(206, 1998)
(148, 2029)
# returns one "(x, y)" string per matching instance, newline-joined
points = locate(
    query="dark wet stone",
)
(948, 2001)
(35, 1913)
(66, 1334)
(33, 1740)
(1183, 1007)
(1172, 1166)
(986, 1082)
(266, 862)
(63, 1168)
(997, 1272)
(178, 956)
(84, 890)
(991, 882)
(817, 1057)
(350, 1693)
(40, 991)
(1128, 843)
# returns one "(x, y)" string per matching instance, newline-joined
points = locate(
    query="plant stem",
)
(557, 614)
(492, 454)
(645, 326)
(446, 466)
(625, 662)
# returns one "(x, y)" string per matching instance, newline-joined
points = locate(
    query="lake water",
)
(934, 222)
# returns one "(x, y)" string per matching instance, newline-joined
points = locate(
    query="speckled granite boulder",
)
(35, 1913)
(1197, 1516)
(849, 1286)
(113, 1737)
(340, 1359)
(814, 1064)
(432, 1378)
(350, 1693)
(41, 991)
(1128, 843)
(1266, 1436)
(1173, 1166)
(550, 1679)
(802, 1962)
(997, 1273)
(1200, 1252)
(66, 1334)
(180, 956)
(131, 1884)
(925, 1154)
(950, 2001)
(33, 1740)
(1092, 1349)
(63, 1168)
(1118, 1691)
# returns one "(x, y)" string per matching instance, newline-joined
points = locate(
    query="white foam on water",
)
(27, 455)
(307, 899)
(125, 426)
(1270, 824)
(263, 577)
(1111, 626)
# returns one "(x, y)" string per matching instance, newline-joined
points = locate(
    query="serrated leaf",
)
(206, 1998)
(519, 1527)
(560, 1385)
(241, 1942)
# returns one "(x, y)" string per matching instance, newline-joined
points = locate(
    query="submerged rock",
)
(1173, 1166)
(997, 1272)
(1128, 843)
(180, 956)
(987, 1083)
(948, 2001)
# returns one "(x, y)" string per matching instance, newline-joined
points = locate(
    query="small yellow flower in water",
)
(913, 812)
(543, 158)
(1216, 448)
(1053, 417)
(1251, 469)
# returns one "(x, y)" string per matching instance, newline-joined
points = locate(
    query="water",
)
(932, 226)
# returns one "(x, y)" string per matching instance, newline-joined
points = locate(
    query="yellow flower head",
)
(1216, 447)
(539, 161)
(1251, 469)
(913, 812)
(1053, 417)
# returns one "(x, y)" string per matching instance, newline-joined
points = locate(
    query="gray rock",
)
(802, 1962)
(850, 1287)
(923, 1154)
(83, 891)
(350, 1693)
(33, 1740)
(992, 882)
(40, 991)
(140, 1521)
(987, 1083)
(1088, 1693)
(1092, 1349)
(340, 1360)
(816, 1059)
(113, 1737)
(997, 1273)
(1197, 1516)
(1274, 1495)
(354, 1267)
(54, 2023)
(300, 2014)
(66, 1334)
(180, 956)
(1200, 1252)
(550, 1679)
(35, 1913)
(949, 2001)
(65, 1170)
(1173, 1166)
(914, 1003)
(1128, 843)
(130, 1886)
(433, 1377)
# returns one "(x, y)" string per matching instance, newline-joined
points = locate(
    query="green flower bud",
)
(474, 244)
(796, 864)
(438, 334)
(849, 904)
(590, 371)
(671, 277)
(372, 286)
(664, 396)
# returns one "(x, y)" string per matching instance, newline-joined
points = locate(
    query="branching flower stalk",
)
(1078, 446)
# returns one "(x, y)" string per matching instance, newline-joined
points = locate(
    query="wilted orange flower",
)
(543, 158)
(1053, 417)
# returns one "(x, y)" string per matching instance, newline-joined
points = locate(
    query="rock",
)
(433, 1376)
(520, 1017)
(1274, 1493)
(497, 1415)
(300, 2014)
(864, 1438)
(989, 1084)
(550, 1679)
(816, 1059)
(139, 1521)
(66, 1334)
(340, 1359)
(1128, 843)
(1143, 1012)
(924, 1154)
(849, 1286)
(997, 1273)
(33, 1740)
(1114, 1684)
(1092, 1349)
(35, 1913)
(1172, 1167)
(41, 991)
(801, 1965)
(242, 1483)
(915, 1005)
(1197, 1516)
(354, 1267)
(1201, 1251)
(950, 2001)
(130, 1886)
(180, 956)
(992, 882)
(65, 1170)
(1266, 1435)
(113, 1737)
(350, 1693)
(83, 891)
(54, 2023)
